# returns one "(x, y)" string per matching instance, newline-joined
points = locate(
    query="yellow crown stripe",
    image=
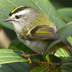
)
(16, 9)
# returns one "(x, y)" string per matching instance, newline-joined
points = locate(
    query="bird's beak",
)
(7, 20)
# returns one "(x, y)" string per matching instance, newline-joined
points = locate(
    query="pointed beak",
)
(7, 20)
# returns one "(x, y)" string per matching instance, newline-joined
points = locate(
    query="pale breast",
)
(36, 45)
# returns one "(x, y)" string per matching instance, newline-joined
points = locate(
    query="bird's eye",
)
(17, 17)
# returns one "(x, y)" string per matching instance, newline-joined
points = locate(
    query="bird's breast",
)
(36, 45)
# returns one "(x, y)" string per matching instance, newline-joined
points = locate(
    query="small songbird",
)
(33, 28)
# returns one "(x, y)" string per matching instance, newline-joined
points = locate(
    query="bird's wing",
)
(42, 32)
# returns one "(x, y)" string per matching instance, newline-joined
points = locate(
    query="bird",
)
(33, 28)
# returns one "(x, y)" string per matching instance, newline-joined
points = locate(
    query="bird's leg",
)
(28, 56)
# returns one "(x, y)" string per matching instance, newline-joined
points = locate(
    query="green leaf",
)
(15, 67)
(44, 68)
(64, 32)
(16, 44)
(40, 69)
(62, 70)
(43, 5)
(61, 53)
(65, 14)
(67, 67)
(70, 39)
(0, 26)
(9, 56)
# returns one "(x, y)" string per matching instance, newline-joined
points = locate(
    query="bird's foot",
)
(28, 56)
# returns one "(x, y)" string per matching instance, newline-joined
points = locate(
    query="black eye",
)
(17, 17)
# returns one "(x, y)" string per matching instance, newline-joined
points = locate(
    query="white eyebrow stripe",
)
(21, 12)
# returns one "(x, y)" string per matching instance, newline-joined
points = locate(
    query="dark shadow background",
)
(61, 3)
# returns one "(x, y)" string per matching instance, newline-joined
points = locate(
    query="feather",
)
(43, 32)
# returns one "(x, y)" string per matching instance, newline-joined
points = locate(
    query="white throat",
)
(18, 27)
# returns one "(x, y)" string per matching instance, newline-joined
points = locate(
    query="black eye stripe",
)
(18, 9)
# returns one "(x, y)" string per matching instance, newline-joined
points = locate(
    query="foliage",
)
(11, 58)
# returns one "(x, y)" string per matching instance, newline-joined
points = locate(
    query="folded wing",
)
(42, 32)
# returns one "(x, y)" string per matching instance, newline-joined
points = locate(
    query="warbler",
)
(33, 28)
